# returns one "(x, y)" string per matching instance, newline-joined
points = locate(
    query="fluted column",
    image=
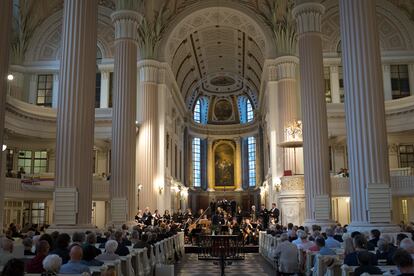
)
(315, 129)
(365, 116)
(75, 115)
(5, 30)
(238, 164)
(287, 104)
(123, 187)
(210, 166)
(148, 138)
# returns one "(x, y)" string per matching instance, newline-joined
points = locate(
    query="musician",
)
(166, 216)
(248, 230)
(188, 214)
(253, 214)
(274, 212)
(147, 216)
(235, 227)
(239, 215)
(156, 217)
(199, 213)
(138, 217)
(264, 216)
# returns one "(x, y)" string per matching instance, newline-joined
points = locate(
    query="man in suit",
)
(274, 212)
(264, 216)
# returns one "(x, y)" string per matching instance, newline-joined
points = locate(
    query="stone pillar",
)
(5, 31)
(334, 77)
(287, 105)
(411, 77)
(386, 74)
(365, 116)
(55, 91)
(123, 194)
(313, 104)
(210, 166)
(104, 101)
(75, 116)
(238, 165)
(147, 158)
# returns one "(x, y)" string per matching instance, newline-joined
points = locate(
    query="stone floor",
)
(254, 264)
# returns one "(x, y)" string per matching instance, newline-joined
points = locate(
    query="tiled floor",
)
(254, 264)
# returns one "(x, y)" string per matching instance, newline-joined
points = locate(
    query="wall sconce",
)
(4, 147)
(294, 129)
(139, 187)
(10, 77)
(277, 184)
(175, 189)
(160, 189)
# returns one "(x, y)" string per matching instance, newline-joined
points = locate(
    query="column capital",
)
(148, 71)
(286, 67)
(308, 17)
(126, 24)
(334, 69)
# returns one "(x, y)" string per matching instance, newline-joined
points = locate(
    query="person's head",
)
(329, 232)
(144, 237)
(375, 233)
(400, 237)
(62, 241)
(383, 245)
(111, 246)
(124, 227)
(273, 205)
(76, 253)
(348, 245)
(360, 242)
(118, 236)
(135, 235)
(284, 237)
(253, 207)
(290, 226)
(364, 258)
(7, 245)
(320, 242)
(13, 267)
(42, 248)
(355, 233)
(27, 243)
(48, 238)
(263, 206)
(302, 235)
(78, 237)
(408, 245)
(52, 263)
(403, 261)
(91, 238)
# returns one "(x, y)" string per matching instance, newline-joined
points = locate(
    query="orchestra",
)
(225, 219)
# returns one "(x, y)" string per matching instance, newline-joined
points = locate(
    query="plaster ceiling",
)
(218, 61)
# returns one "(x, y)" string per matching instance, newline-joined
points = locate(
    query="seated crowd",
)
(366, 252)
(50, 254)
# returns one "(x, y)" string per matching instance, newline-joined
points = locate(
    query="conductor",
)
(274, 212)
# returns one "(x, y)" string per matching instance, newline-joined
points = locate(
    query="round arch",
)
(46, 41)
(208, 14)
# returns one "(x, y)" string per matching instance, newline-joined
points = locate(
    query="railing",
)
(267, 247)
(401, 171)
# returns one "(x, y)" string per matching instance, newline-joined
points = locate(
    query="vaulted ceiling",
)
(218, 61)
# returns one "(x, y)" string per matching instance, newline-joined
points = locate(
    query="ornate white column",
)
(238, 166)
(104, 101)
(75, 116)
(386, 74)
(124, 108)
(287, 105)
(365, 117)
(210, 166)
(55, 91)
(334, 77)
(148, 137)
(5, 31)
(315, 129)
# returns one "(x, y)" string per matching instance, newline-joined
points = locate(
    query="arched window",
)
(246, 111)
(196, 150)
(200, 110)
(251, 153)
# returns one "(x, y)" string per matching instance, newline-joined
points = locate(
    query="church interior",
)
(111, 109)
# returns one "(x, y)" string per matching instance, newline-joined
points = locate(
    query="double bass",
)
(194, 225)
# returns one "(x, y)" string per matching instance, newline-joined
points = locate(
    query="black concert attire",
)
(147, 218)
(264, 215)
(274, 213)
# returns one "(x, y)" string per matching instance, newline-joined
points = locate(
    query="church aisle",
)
(254, 264)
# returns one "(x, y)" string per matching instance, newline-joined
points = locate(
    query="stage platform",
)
(189, 249)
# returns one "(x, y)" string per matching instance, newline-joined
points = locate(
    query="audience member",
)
(408, 245)
(51, 265)
(75, 266)
(35, 265)
(109, 254)
(287, 253)
(365, 265)
(330, 241)
(28, 244)
(375, 234)
(122, 250)
(13, 267)
(404, 262)
(360, 244)
(62, 247)
(6, 254)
